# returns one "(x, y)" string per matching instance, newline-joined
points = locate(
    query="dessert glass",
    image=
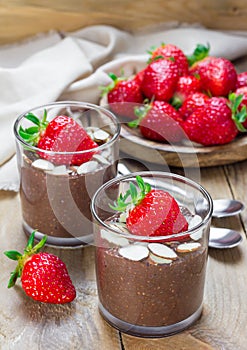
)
(55, 199)
(142, 291)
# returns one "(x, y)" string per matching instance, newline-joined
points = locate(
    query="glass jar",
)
(152, 286)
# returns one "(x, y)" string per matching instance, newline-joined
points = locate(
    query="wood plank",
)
(25, 323)
(25, 18)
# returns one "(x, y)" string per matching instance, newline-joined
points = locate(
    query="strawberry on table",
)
(123, 95)
(44, 276)
(217, 122)
(173, 52)
(61, 134)
(159, 121)
(153, 212)
(160, 80)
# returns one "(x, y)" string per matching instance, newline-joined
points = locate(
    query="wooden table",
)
(26, 324)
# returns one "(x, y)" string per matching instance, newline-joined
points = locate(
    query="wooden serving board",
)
(133, 144)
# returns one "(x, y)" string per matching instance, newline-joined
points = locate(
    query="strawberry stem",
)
(238, 116)
(22, 258)
(32, 134)
(200, 52)
(135, 197)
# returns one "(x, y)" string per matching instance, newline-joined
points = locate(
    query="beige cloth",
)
(50, 68)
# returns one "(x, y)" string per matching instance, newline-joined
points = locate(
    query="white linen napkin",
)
(72, 67)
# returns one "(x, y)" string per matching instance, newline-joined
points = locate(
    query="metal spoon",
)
(226, 207)
(223, 238)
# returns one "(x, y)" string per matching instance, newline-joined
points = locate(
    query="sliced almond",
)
(123, 217)
(60, 170)
(188, 247)
(87, 167)
(134, 252)
(159, 260)
(43, 164)
(114, 238)
(195, 221)
(101, 159)
(100, 135)
(162, 251)
(121, 227)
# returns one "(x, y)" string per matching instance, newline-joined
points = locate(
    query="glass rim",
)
(76, 103)
(173, 236)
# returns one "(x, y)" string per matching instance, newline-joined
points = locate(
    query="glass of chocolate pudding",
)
(56, 186)
(151, 285)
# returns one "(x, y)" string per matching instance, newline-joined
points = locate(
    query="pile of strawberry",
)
(177, 96)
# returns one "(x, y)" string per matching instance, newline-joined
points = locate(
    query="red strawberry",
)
(186, 86)
(190, 104)
(214, 123)
(241, 80)
(171, 51)
(62, 134)
(218, 77)
(159, 121)
(44, 276)
(155, 212)
(160, 80)
(123, 95)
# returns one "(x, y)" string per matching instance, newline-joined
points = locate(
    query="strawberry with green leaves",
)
(153, 212)
(123, 95)
(44, 277)
(160, 80)
(170, 51)
(159, 121)
(217, 122)
(61, 134)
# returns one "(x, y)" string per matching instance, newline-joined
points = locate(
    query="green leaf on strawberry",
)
(32, 134)
(200, 52)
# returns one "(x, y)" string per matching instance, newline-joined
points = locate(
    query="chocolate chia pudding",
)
(65, 152)
(148, 293)
(151, 252)
(58, 205)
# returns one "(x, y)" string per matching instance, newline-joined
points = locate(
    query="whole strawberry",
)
(153, 212)
(160, 80)
(61, 134)
(123, 95)
(218, 77)
(215, 123)
(191, 103)
(159, 121)
(44, 276)
(171, 51)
